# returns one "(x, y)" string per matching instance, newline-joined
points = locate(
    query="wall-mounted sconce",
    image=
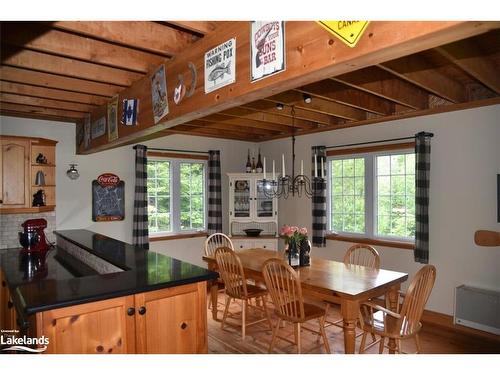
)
(72, 172)
(279, 106)
(307, 98)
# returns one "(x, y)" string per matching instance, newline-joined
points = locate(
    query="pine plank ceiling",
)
(63, 70)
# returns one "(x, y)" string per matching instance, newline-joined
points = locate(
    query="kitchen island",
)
(95, 294)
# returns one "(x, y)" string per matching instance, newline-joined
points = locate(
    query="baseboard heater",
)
(477, 308)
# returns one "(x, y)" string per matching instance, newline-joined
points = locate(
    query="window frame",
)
(175, 196)
(369, 154)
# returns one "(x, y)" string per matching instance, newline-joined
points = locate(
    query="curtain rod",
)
(382, 140)
(173, 150)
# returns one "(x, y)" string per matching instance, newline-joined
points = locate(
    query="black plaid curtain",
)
(422, 177)
(319, 199)
(214, 224)
(140, 226)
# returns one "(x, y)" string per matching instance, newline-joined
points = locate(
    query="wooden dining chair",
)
(216, 240)
(212, 243)
(236, 287)
(358, 255)
(403, 323)
(283, 284)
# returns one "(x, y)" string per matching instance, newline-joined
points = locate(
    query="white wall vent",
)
(477, 308)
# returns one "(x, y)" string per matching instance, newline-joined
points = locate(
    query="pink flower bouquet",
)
(293, 234)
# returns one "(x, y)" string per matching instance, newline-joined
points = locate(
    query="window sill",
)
(177, 236)
(371, 241)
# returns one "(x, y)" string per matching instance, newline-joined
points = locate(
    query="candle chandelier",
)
(283, 185)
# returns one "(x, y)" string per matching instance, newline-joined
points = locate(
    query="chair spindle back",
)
(416, 297)
(283, 284)
(216, 240)
(362, 255)
(231, 272)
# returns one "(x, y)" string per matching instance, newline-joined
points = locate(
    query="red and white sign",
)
(108, 179)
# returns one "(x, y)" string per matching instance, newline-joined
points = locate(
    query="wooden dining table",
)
(330, 281)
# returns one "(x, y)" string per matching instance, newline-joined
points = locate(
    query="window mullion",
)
(175, 194)
(370, 200)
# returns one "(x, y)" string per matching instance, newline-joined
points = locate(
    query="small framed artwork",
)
(267, 41)
(113, 119)
(108, 198)
(159, 93)
(99, 127)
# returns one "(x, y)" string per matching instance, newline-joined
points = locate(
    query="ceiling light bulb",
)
(279, 106)
(307, 98)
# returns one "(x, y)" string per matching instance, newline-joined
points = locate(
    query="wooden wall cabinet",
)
(171, 320)
(18, 169)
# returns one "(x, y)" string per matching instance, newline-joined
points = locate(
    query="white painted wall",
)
(465, 160)
(464, 163)
(73, 198)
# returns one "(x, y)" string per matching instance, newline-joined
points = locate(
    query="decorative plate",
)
(241, 185)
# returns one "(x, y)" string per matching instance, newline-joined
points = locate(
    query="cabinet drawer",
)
(243, 244)
(267, 244)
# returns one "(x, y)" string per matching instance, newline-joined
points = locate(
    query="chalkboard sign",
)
(108, 198)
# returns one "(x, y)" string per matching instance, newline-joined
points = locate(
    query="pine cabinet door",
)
(173, 320)
(15, 173)
(106, 326)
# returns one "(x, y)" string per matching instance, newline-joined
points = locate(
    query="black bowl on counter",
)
(252, 232)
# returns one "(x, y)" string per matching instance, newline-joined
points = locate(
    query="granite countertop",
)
(59, 279)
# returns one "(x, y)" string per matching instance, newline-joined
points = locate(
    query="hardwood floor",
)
(434, 340)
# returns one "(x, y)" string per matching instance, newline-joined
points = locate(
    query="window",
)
(176, 195)
(373, 194)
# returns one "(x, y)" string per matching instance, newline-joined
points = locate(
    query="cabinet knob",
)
(4, 284)
(264, 246)
(130, 311)
(184, 325)
(142, 310)
(241, 246)
(10, 305)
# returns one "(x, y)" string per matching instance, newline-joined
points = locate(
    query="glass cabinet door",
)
(264, 206)
(241, 198)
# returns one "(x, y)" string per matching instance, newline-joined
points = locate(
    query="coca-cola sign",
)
(108, 179)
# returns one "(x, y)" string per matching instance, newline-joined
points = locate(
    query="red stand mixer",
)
(33, 238)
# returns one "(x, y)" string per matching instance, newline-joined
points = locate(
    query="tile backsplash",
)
(10, 225)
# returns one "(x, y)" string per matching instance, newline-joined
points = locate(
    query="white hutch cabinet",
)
(249, 208)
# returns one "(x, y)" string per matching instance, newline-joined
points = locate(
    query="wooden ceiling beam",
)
(468, 57)
(199, 27)
(378, 82)
(233, 121)
(19, 75)
(419, 72)
(270, 107)
(36, 116)
(330, 59)
(319, 105)
(252, 114)
(40, 38)
(143, 35)
(45, 103)
(34, 110)
(186, 130)
(335, 91)
(48, 93)
(245, 131)
(70, 67)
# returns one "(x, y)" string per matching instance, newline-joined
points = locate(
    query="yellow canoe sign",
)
(347, 31)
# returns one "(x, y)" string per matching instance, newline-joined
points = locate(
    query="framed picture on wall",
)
(108, 198)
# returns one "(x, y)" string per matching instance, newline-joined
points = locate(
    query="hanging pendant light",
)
(283, 186)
